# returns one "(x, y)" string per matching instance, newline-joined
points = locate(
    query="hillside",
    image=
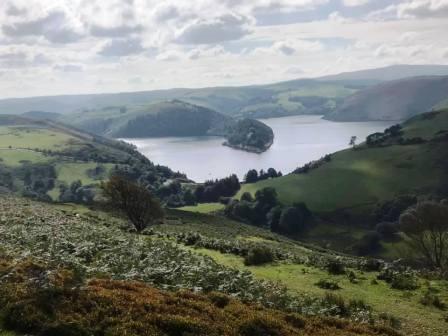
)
(43, 159)
(173, 118)
(390, 73)
(189, 277)
(273, 100)
(369, 174)
(395, 100)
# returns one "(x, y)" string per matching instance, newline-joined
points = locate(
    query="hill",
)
(395, 100)
(173, 118)
(187, 275)
(45, 159)
(273, 100)
(390, 73)
(353, 182)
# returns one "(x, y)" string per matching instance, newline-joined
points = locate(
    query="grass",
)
(15, 157)
(299, 279)
(204, 207)
(355, 178)
(33, 137)
(70, 171)
(427, 125)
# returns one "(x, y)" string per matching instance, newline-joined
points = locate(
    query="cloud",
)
(117, 31)
(355, 3)
(22, 59)
(227, 27)
(423, 9)
(14, 10)
(290, 47)
(121, 48)
(69, 68)
(53, 27)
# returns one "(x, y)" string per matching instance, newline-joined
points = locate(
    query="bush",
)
(404, 282)
(432, 299)
(258, 255)
(262, 327)
(335, 267)
(369, 244)
(328, 284)
(387, 230)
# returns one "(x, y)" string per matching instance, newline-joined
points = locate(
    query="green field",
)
(15, 157)
(359, 177)
(204, 207)
(27, 136)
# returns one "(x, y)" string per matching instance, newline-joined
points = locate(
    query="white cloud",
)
(423, 9)
(227, 27)
(121, 47)
(54, 45)
(355, 3)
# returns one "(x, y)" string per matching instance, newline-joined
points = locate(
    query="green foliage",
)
(258, 255)
(134, 200)
(328, 284)
(250, 135)
(432, 299)
(336, 267)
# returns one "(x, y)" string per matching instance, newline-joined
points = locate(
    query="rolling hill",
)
(174, 118)
(395, 100)
(369, 174)
(42, 159)
(273, 100)
(390, 73)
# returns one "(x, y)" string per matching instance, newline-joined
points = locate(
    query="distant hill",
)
(273, 100)
(173, 118)
(389, 73)
(395, 100)
(42, 115)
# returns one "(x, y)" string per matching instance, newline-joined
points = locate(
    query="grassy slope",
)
(358, 177)
(300, 279)
(93, 239)
(26, 139)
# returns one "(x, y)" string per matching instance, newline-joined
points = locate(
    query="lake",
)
(298, 140)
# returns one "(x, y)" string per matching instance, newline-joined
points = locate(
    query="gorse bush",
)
(115, 308)
(258, 255)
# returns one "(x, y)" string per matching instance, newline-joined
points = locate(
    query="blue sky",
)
(52, 47)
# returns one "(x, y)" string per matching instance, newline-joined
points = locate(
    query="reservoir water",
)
(298, 140)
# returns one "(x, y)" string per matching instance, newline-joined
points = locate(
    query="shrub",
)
(403, 281)
(328, 284)
(259, 255)
(335, 267)
(261, 326)
(432, 299)
(369, 243)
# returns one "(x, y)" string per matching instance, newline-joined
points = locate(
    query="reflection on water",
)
(298, 140)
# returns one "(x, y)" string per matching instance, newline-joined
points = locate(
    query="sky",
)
(52, 47)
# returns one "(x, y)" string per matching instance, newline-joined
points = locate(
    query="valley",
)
(298, 208)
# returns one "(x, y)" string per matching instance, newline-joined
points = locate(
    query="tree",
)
(426, 225)
(251, 176)
(134, 200)
(353, 141)
(294, 219)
